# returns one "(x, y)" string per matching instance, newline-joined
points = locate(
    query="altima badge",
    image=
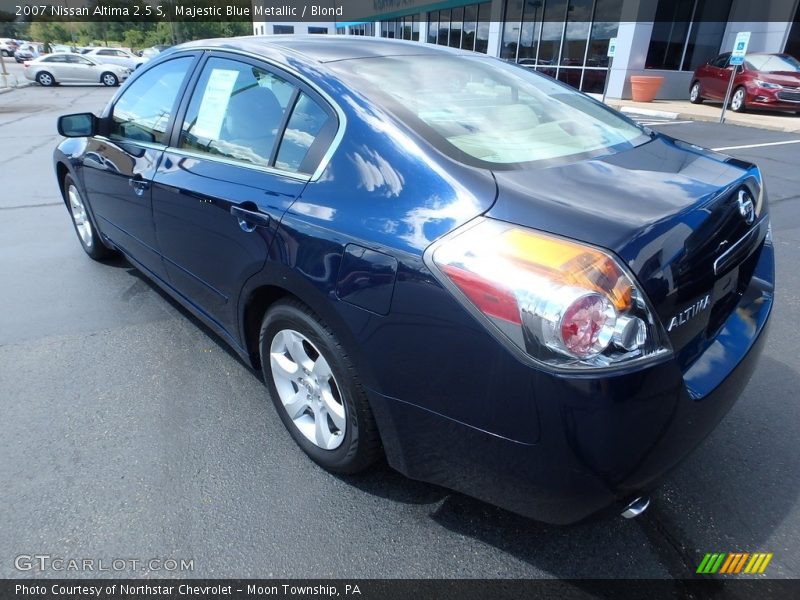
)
(690, 313)
(746, 206)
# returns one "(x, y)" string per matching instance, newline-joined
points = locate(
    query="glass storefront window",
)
(552, 31)
(576, 33)
(470, 26)
(565, 39)
(686, 33)
(456, 23)
(460, 27)
(511, 29)
(482, 31)
(433, 26)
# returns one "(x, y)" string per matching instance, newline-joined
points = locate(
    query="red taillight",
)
(490, 298)
(563, 303)
(26, 64)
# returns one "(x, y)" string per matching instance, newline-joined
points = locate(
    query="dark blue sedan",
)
(492, 280)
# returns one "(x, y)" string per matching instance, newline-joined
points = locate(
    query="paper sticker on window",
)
(215, 101)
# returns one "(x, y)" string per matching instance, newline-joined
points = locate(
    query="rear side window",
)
(143, 111)
(307, 121)
(78, 60)
(236, 112)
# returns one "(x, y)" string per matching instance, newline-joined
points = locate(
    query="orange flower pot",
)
(645, 87)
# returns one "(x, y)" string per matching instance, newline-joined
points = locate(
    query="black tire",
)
(108, 79)
(361, 445)
(89, 239)
(694, 94)
(45, 79)
(739, 107)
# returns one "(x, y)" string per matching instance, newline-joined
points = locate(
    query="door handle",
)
(140, 186)
(250, 219)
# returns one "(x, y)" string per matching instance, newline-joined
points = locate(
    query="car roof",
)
(323, 48)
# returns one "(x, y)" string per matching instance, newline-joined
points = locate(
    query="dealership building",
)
(569, 39)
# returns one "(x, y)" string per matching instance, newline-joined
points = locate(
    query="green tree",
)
(50, 31)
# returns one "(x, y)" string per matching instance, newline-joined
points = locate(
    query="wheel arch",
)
(64, 167)
(278, 282)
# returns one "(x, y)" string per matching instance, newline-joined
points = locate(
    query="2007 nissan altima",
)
(498, 283)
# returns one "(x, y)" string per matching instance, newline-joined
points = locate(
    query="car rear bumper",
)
(603, 441)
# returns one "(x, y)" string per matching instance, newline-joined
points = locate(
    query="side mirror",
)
(78, 125)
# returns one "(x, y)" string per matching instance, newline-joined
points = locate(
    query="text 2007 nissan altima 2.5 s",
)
(493, 280)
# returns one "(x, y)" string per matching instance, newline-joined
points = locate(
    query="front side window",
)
(721, 61)
(236, 111)
(489, 113)
(143, 111)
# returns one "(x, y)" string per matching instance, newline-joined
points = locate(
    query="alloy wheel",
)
(737, 102)
(307, 389)
(79, 215)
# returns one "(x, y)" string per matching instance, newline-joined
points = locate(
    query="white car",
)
(116, 56)
(53, 69)
(8, 46)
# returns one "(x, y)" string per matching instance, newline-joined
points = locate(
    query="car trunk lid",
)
(678, 216)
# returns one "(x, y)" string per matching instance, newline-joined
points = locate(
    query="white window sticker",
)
(215, 101)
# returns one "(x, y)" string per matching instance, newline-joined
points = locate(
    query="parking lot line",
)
(757, 145)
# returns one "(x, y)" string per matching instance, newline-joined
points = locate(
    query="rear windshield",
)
(487, 112)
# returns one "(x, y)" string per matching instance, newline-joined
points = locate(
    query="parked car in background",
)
(8, 46)
(28, 52)
(64, 67)
(63, 48)
(153, 51)
(498, 282)
(764, 81)
(116, 56)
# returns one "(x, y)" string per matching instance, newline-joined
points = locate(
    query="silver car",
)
(116, 56)
(53, 69)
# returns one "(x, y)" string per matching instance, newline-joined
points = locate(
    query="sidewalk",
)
(682, 109)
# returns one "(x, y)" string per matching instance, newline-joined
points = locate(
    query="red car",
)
(766, 81)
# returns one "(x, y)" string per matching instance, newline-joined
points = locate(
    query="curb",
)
(648, 112)
(793, 127)
(8, 90)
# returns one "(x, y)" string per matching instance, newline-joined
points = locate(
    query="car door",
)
(80, 69)
(224, 185)
(715, 84)
(118, 165)
(56, 66)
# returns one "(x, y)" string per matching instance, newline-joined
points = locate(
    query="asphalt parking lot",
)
(129, 431)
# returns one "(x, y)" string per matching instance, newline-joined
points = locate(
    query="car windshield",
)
(488, 113)
(773, 63)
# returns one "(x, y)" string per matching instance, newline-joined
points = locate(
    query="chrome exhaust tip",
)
(637, 507)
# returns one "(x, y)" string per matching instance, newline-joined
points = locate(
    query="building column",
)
(423, 27)
(495, 29)
(633, 41)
